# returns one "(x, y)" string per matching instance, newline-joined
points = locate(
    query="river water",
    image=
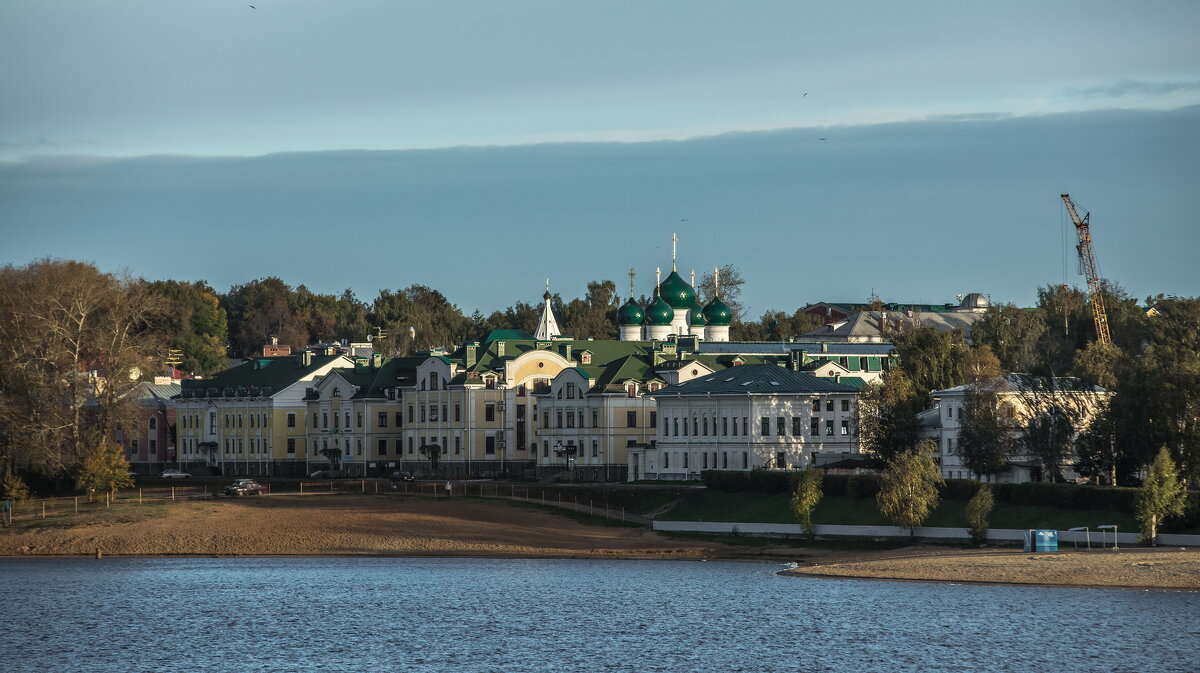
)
(385, 614)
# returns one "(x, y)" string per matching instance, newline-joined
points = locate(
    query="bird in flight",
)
(253, 7)
(805, 94)
(821, 138)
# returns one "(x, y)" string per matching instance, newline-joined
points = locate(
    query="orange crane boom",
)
(1087, 260)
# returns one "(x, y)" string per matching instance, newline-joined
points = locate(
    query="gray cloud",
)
(1130, 87)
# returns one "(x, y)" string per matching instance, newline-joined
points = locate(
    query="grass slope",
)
(705, 505)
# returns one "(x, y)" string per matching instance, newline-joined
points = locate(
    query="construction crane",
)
(1087, 261)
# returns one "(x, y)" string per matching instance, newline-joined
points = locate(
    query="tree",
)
(262, 309)
(806, 496)
(73, 341)
(977, 511)
(985, 437)
(103, 468)
(981, 365)
(1050, 415)
(195, 324)
(730, 287)
(595, 315)
(908, 486)
(1012, 334)
(12, 487)
(886, 415)
(932, 359)
(1162, 495)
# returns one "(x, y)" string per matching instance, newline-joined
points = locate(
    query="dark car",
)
(245, 487)
(401, 475)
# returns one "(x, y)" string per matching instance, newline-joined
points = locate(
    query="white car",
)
(174, 474)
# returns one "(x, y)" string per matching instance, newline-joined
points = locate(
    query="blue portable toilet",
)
(1037, 540)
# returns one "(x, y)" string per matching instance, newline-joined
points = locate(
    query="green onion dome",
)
(659, 312)
(677, 292)
(717, 313)
(630, 313)
(696, 316)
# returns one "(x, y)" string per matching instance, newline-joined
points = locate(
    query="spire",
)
(657, 279)
(693, 278)
(716, 282)
(547, 325)
(674, 240)
(631, 275)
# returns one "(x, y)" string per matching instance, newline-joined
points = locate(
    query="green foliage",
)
(985, 444)
(932, 359)
(886, 415)
(12, 487)
(1162, 495)
(195, 324)
(977, 511)
(103, 467)
(806, 496)
(1012, 333)
(908, 486)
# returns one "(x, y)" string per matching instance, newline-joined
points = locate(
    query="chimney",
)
(499, 349)
(566, 351)
(376, 360)
(824, 346)
(472, 354)
(304, 359)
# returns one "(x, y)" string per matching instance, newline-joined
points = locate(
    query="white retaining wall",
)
(897, 533)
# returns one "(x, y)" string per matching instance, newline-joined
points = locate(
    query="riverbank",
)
(349, 525)
(1136, 568)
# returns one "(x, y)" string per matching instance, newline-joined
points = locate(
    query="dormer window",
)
(433, 381)
(337, 392)
(585, 358)
(489, 382)
(632, 389)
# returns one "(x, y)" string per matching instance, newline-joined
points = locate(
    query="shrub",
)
(977, 511)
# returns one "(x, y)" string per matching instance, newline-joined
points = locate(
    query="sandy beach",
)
(1142, 568)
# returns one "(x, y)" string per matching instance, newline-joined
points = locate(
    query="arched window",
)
(153, 423)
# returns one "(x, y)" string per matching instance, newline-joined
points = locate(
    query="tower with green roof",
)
(717, 314)
(631, 316)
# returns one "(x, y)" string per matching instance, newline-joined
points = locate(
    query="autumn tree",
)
(73, 341)
(978, 508)
(103, 468)
(806, 496)
(262, 309)
(932, 359)
(1012, 334)
(908, 486)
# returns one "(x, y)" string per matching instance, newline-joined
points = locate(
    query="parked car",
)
(324, 474)
(175, 474)
(402, 475)
(245, 487)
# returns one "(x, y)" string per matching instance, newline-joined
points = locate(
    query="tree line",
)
(1152, 366)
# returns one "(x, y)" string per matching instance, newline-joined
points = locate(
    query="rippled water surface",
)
(371, 614)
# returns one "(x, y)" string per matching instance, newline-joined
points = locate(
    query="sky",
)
(827, 150)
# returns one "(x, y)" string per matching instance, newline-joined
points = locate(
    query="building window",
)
(666, 460)
(546, 449)
(780, 426)
(724, 426)
(489, 412)
(685, 427)
(829, 428)
(676, 420)
(570, 390)
(654, 419)
(558, 418)
(766, 426)
(570, 420)
(457, 445)
(324, 419)
(828, 405)
(358, 447)
(704, 426)
(595, 418)
(153, 423)
(335, 420)
(735, 426)
(685, 460)
(845, 428)
(422, 413)
(410, 413)
(291, 445)
(410, 446)
(153, 447)
(845, 405)
(816, 427)
(631, 419)
(291, 420)
(433, 381)
(445, 417)
(383, 447)
(358, 419)
(433, 413)
(724, 459)
(489, 445)
(745, 425)
(705, 454)
(816, 405)
(595, 448)
(457, 413)
(797, 426)
(314, 417)
(745, 460)
(399, 419)
(383, 419)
